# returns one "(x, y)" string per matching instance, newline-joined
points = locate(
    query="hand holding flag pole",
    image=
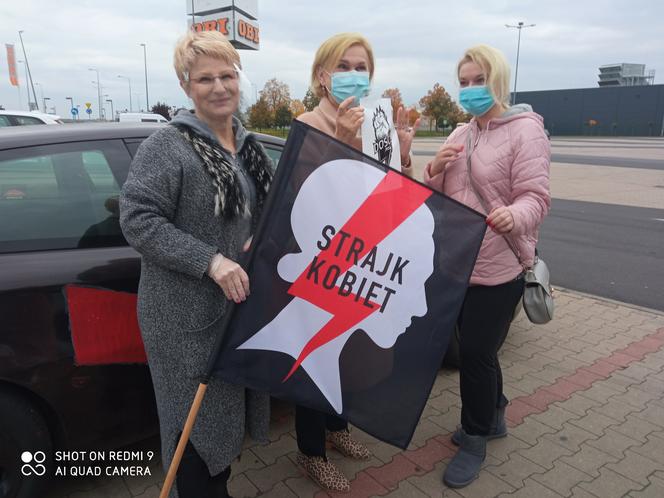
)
(198, 399)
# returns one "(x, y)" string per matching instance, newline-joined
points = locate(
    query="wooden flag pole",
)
(196, 405)
(184, 438)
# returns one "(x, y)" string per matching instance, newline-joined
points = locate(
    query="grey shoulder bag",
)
(537, 292)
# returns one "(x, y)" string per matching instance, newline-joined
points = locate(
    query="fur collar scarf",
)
(230, 200)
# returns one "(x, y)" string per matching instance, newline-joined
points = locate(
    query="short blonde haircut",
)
(193, 44)
(331, 51)
(496, 70)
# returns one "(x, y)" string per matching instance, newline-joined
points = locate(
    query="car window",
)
(61, 196)
(274, 153)
(4, 121)
(28, 120)
(99, 171)
(133, 145)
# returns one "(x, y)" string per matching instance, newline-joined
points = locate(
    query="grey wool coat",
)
(167, 215)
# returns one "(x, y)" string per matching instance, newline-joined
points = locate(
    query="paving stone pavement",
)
(586, 419)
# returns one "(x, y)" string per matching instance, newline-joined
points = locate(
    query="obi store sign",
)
(236, 19)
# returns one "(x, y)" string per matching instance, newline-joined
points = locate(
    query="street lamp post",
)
(27, 67)
(98, 89)
(27, 82)
(145, 65)
(129, 81)
(41, 92)
(18, 86)
(519, 26)
(110, 101)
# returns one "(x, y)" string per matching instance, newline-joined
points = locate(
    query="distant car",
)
(141, 117)
(22, 118)
(59, 226)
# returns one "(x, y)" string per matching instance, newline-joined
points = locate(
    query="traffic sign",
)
(74, 111)
(88, 105)
(88, 110)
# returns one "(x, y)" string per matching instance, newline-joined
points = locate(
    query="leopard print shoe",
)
(324, 473)
(344, 443)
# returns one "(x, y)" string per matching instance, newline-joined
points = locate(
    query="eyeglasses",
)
(227, 80)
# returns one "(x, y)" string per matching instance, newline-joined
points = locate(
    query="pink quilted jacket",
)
(510, 167)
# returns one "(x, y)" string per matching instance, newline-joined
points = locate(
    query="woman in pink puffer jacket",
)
(507, 178)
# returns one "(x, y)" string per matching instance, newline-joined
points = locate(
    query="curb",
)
(607, 300)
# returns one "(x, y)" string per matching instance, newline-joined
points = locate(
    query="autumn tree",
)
(310, 100)
(297, 107)
(437, 104)
(259, 115)
(276, 94)
(458, 116)
(413, 116)
(282, 116)
(394, 94)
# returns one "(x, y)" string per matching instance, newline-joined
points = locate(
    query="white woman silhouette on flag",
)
(356, 269)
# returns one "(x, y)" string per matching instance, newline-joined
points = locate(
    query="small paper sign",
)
(379, 137)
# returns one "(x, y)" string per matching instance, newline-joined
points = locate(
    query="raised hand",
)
(445, 155)
(405, 132)
(349, 121)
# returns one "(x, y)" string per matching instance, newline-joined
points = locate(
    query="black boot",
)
(465, 465)
(498, 429)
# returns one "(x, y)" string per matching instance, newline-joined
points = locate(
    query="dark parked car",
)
(59, 187)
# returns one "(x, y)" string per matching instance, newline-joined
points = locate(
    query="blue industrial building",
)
(607, 110)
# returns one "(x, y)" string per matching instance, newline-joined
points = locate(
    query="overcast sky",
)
(416, 43)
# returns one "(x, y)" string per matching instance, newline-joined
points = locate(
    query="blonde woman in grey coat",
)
(189, 205)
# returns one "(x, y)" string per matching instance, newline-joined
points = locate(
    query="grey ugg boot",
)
(498, 430)
(465, 465)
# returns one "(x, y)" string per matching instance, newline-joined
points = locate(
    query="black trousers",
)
(484, 321)
(193, 480)
(310, 427)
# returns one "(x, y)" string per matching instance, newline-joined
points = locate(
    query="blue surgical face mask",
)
(477, 100)
(350, 84)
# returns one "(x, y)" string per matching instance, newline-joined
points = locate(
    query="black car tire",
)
(22, 428)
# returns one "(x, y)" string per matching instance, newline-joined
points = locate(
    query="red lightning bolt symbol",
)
(393, 200)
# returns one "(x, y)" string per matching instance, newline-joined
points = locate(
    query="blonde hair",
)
(496, 70)
(193, 44)
(331, 51)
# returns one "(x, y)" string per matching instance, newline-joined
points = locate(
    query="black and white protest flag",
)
(357, 276)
